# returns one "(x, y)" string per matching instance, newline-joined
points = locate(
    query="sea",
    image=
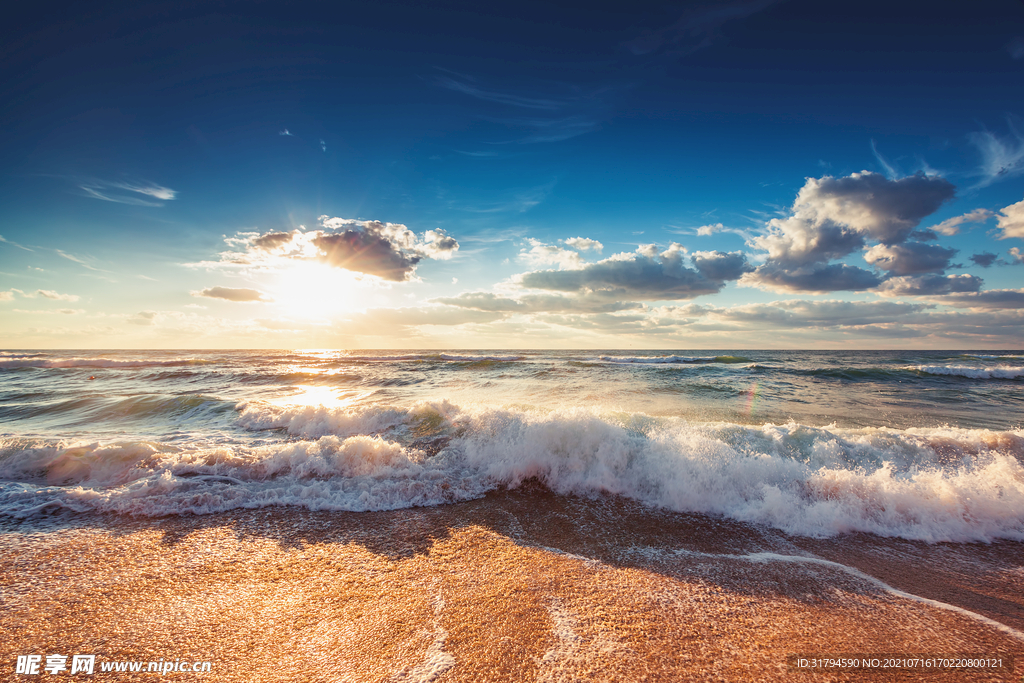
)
(917, 445)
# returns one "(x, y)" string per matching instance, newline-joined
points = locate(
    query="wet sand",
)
(518, 586)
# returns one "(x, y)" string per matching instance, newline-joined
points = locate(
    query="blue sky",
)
(738, 174)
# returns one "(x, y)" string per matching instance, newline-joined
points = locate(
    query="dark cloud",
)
(991, 299)
(912, 258)
(929, 285)
(232, 294)
(272, 240)
(985, 259)
(721, 266)
(644, 275)
(924, 235)
(366, 251)
(816, 278)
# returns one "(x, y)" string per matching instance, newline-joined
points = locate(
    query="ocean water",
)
(915, 445)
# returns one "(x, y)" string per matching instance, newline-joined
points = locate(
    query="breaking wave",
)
(999, 372)
(657, 360)
(934, 484)
(35, 362)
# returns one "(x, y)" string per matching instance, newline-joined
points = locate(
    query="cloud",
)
(583, 244)
(79, 261)
(232, 294)
(951, 226)
(828, 313)
(890, 172)
(541, 254)
(698, 27)
(142, 318)
(13, 244)
(929, 285)
(537, 303)
(125, 192)
(286, 133)
(7, 296)
(389, 251)
(551, 119)
(911, 258)
(985, 259)
(466, 87)
(1017, 255)
(1010, 221)
(816, 278)
(645, 275)
(710, 229)
(1001, 158)
(989, 299)
(833, 217)
(552, 129)
(50, 294)
(871, 205)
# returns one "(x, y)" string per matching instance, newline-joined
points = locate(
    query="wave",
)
(938, 484)
(655, 360)
(15, 364)
(999, 372)
(428, 357)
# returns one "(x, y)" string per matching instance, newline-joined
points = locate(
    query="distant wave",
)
(999, 372)
(96, 363)
(426, 357)
(656, 360)
(936, 484)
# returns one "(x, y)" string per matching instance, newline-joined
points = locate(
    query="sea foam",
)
(935, 484)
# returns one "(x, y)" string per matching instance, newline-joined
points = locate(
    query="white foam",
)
(429, 357)
(998, 372)
(436, 660)
(853, 571)
(936, 484)
(95, 363)
(655, 360)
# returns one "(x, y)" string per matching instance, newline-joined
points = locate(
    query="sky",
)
(685, 175)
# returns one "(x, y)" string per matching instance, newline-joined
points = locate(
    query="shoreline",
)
(519, 585)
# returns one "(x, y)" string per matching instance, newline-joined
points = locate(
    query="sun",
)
(315, 291)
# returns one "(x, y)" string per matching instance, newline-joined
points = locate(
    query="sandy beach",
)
(520, 585)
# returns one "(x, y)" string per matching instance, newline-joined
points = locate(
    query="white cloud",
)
(951, 226)
(583, 244)
(1011, 221)
(1001, 158)
(540, 254)
(710, 229)
(125, 192)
